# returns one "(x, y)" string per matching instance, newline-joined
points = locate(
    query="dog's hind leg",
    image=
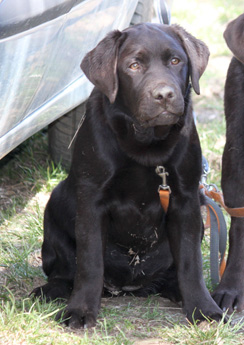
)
(58, 249)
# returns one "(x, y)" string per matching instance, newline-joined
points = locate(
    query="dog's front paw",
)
(230, 299)
(209, 310)
(76, 318)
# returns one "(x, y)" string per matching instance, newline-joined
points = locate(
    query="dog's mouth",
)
(162, 119)
(159, 126)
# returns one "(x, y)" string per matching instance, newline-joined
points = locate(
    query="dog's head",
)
(148, 67)
(234, 37)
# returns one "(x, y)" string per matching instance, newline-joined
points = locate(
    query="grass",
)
(205, 333)
(207, 19)
(27, 322)
(28, 176)
(33, 323)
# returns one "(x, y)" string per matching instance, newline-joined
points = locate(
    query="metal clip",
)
(205, 171)
(213, 187)
(160, 170)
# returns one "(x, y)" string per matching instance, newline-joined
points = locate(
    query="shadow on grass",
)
(24, 172)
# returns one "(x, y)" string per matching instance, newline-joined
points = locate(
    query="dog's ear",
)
(100, 65)
(198, 54)
(234, 37)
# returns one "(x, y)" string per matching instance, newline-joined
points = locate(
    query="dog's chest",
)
(135, 216)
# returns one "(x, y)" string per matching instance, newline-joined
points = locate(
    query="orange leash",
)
(164, 194)
(218, 237)
(215, 194)
(164, 199)
(163, 189)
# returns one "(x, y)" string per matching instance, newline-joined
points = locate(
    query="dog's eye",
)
(175, 61)
(134, 66)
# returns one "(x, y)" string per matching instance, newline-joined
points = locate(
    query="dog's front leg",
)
(229, 294)
(84, 303)
(184, 233)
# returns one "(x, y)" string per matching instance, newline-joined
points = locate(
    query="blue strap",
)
(218, 239)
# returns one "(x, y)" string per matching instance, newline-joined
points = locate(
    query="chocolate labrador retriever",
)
(230, 292)
(104, 227)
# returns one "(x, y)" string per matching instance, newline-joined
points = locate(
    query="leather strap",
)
(218, 197)
(164, 199)
(218, 238)
(213, 194)
(163, 189)
(215, 220)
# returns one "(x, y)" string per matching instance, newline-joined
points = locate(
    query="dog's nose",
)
(163, 93)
